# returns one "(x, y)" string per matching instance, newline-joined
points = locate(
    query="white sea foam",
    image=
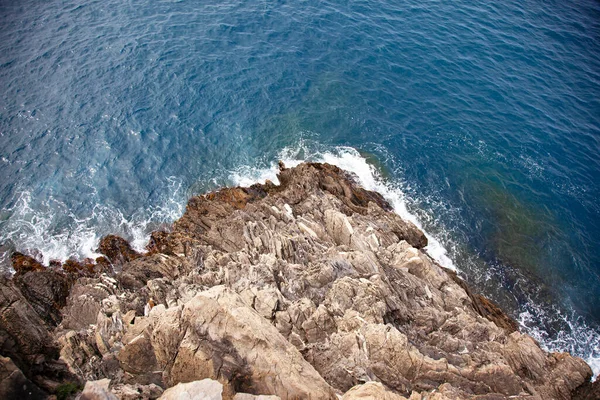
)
(579, 339)
(30, 229)
(51, 232)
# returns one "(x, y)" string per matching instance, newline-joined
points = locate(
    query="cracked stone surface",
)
(311, 289)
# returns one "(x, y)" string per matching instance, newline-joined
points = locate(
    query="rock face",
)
(311, 289)
(205, 389)
(14, 385)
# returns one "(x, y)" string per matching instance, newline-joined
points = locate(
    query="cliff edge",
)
(311, 289)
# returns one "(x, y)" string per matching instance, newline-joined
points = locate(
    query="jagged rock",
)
(159, 243)
(228, 341)
(339, 227)
(371, 391)
(78, 350)
(26, 339)
(109, 331)
(137, 356)
(84, 302)
(207, 389)
(46, 291)
(74, 267)
(308, 289)
(138, 272)
(117, 249)
(486, 307)
(587, 391)
(97, 390)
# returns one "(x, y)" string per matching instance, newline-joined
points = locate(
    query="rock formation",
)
(311, 289)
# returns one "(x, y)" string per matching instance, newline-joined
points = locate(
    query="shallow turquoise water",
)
(482, 122)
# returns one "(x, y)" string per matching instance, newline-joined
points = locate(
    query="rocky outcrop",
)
(311, 289)
(205, 389)
(26, 338)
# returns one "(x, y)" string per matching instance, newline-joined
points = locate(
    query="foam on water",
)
(52, 232)
(29, 230)
(580, 339)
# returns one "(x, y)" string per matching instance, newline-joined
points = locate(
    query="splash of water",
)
(50, 231)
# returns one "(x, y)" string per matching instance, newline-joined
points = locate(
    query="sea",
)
(478, 121)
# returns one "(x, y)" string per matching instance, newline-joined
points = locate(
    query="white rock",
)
(206, 389)
(97, 390)
(247, 396)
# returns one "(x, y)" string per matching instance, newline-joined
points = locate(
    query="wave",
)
(50, 231)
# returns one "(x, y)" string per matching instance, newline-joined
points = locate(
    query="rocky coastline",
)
(310, 289)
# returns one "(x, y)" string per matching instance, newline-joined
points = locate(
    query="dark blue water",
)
(480, 122)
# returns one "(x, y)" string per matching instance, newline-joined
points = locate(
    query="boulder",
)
(206, 389)
(371, 391)
(228, 341)
(117, 249)
(97, 390)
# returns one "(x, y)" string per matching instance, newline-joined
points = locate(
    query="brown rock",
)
(587, 391)
(22, 263)
(86, 267)
(46, 291)
(237, 197)
(26, 339)
(14, 385)
(226, 340)
(138, 272)
(159, 243)
(301, 290)
(117, 249)
(486, 308)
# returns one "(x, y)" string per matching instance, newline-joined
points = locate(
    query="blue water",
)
(481, 122)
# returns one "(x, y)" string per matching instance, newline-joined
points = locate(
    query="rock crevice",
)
(311, 289)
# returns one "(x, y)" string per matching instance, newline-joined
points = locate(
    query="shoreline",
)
(332, 236)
